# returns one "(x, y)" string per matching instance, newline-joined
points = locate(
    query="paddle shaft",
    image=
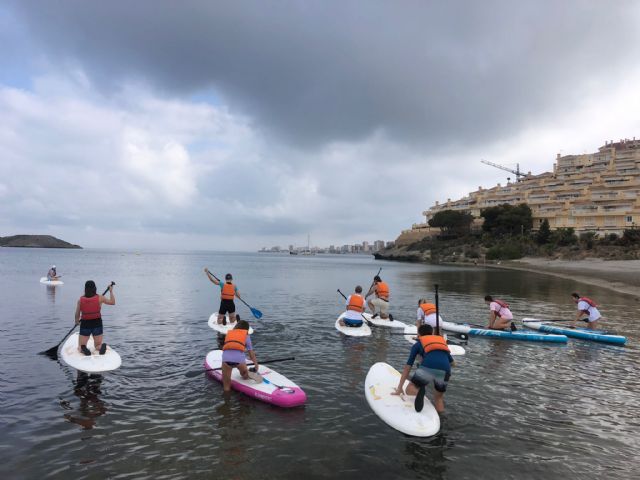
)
(437, 311)
(193, 373)
(361, 314)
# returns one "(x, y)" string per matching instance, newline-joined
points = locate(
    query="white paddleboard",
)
(398, 411)
(95, 363)
(223, 329)
(51, 282)
(382, 322)
(362, 331)
(411, 333)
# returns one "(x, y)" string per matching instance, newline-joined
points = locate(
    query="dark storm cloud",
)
(314, 72)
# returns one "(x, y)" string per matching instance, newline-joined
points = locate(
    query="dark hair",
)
(242, 325)
(488, 298)
(425, 329)
(89, 288)
(377, 278)
(228, 277)
(358, 289)
(237, 318)
(575, 295)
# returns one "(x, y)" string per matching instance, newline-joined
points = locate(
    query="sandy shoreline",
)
(623, 276)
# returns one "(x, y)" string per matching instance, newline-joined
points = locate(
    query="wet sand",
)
(623, 276)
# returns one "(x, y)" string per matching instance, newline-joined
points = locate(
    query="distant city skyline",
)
(363, 247)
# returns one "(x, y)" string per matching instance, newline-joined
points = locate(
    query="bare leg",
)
(220, 318)
(341, 322)
(501, 323)
(82, 340)
(592, 325)
(242, 368)
(232, 317)
(226, 376)
(438, 401)
(97, 341)
(411, 389)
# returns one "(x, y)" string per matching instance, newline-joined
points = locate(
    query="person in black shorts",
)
(89, 317)
(228, 291)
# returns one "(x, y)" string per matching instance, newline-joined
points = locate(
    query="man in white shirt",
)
(426, 314)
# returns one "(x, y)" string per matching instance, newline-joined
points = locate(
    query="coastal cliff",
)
(35, 241)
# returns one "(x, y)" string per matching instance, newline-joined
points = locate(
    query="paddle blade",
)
(256, 313)
(52, 353)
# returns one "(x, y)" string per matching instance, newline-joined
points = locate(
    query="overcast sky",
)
(237, 125)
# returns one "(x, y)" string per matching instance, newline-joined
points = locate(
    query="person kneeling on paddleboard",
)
(381, 300)
(235, 343)
(500, 317)
(90, 319)
(426, 314)
(355, 308)
(52, 274)
(435, 368)
(587, 308)
(228, 291)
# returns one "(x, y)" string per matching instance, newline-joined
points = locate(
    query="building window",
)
(629, 219)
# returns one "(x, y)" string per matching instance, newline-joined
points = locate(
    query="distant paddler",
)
(587, 311)
(435, 368)
(228, 291)
(426, 314)
(52, 274)
(355, 308)
(500, 317)
(379, 305)
(89, 316)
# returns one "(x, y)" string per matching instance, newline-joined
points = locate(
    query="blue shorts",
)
(91, 327)
(424, 376)
(352, 323)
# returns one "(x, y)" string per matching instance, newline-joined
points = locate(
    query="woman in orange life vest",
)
(500, 317)
(435, 368)
(586, 307)
(355, 309)
(381, 301)
(235, 343)
(90, 319)
(228, 291)
(426, 314)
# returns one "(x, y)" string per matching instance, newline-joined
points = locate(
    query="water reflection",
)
(51, 293)
(427, 458)
(87, 389)
(233, 425)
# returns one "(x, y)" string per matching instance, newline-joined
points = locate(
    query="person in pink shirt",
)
(500, 317)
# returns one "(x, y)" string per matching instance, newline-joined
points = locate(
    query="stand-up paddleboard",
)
(223, 329)
(274, 388)
(398, 411)
(411, 333)
(384, 322)
(51, 282)
(483, 332)
(581, 333)
(362, 331)
(95, 363)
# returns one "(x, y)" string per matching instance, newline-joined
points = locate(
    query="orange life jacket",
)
(588, 300)
(235, 339)
(433, 342)
(90, 308)
(382, 290)
(228, 291)
(356, 303)
(428, 308)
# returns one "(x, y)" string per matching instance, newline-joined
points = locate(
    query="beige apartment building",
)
(597, 192)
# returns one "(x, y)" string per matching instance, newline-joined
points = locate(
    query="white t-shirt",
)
(594, 314)
(427, 319)
(502, 312)
(352, 314)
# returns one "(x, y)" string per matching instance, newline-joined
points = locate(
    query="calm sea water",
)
(514, 410)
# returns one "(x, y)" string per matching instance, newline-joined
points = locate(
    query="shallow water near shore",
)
(514, 410)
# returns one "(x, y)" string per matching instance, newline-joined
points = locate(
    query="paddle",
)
(437, 332)
(361, 314)
(53, 351)
(545, 320)
(269, 382)
(195, 373)
(256, 313)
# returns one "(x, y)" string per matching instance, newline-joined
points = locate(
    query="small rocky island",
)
(35, 241)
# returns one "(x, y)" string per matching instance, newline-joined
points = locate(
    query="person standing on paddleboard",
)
(426, 314)
(228, 291)
(587, 308)
(52, 274)
(500, 317)
(89, 317)
(235, 343)
(381, 300)
(435, 368)
(355, 308)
